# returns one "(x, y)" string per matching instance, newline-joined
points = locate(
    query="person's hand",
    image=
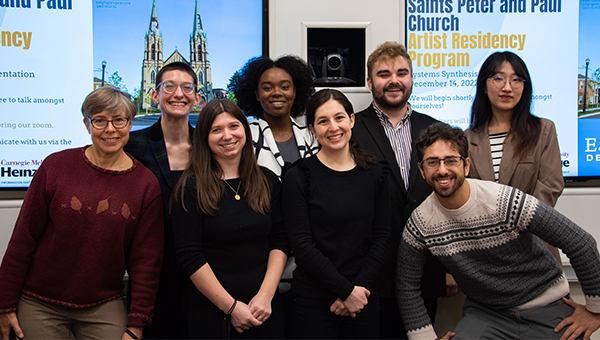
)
(260, 306)
(452, 287)
(357, 300)
(138, 331)
(448, 336)
(581, 321)
(338, 308)
(242, 318)
(9, 321)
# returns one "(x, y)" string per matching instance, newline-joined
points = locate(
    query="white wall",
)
(9, 210)
(582, 206)
(289, 20)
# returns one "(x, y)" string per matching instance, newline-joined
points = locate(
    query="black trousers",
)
(205, 321)
(312, 319)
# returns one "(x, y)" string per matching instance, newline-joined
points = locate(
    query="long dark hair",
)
(207, 171)
(525, 128)
(247, 85)
(362, 158)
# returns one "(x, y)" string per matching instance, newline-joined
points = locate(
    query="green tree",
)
(138, 97)
(147, 99)
(231, 96)
(116, 80)
(232, 85)
(596, 75)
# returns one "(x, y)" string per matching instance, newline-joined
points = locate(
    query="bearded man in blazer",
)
(388, 129)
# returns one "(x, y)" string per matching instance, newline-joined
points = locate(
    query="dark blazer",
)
(371, 136)
(148, 147)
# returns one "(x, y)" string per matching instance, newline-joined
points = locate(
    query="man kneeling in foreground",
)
(484, 233)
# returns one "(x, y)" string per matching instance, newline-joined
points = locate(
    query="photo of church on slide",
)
(154, 53)
(133, 40)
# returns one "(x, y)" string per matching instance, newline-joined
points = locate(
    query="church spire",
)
(197, 21)
(153, 18)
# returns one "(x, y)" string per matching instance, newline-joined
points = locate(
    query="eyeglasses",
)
(450, 162)
(515, 82)
(101, 123)
(171, 87)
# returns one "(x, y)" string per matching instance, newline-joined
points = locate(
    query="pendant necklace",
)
(237, 196)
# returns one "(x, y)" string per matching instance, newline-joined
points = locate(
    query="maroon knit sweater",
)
(79, 227)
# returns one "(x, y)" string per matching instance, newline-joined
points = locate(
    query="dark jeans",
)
(480, 322)
(313, 320)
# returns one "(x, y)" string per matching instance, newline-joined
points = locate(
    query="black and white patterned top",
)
(497, 147)
(266, 150)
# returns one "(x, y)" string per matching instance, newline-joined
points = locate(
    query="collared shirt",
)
(400, 139)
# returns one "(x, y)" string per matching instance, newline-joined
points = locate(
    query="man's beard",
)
(382, 101)
(448, 192)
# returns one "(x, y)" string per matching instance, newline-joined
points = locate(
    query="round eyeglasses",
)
(101, 123)
(434, 163)
(171, 87)
(515, 82)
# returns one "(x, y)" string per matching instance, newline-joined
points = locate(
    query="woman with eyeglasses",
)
(338, 219)
(165, 149)
(89, 214)
(229, 231)
(508, 144)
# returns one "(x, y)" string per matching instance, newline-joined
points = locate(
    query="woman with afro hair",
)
(276, 92)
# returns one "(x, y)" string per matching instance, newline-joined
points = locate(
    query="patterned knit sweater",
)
(489, 248)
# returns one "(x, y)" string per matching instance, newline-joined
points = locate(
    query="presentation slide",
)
(53, 53)
(45, 72)
(448, 42)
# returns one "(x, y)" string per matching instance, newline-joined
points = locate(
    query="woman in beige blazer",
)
(526, 154)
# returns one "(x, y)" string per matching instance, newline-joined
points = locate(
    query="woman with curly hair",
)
(276, 91)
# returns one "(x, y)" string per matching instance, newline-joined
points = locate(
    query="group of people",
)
(374, 207)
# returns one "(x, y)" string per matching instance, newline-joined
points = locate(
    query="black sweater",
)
(235, 242)
(339, 226)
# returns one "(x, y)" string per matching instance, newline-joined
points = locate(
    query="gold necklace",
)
(237, 196)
